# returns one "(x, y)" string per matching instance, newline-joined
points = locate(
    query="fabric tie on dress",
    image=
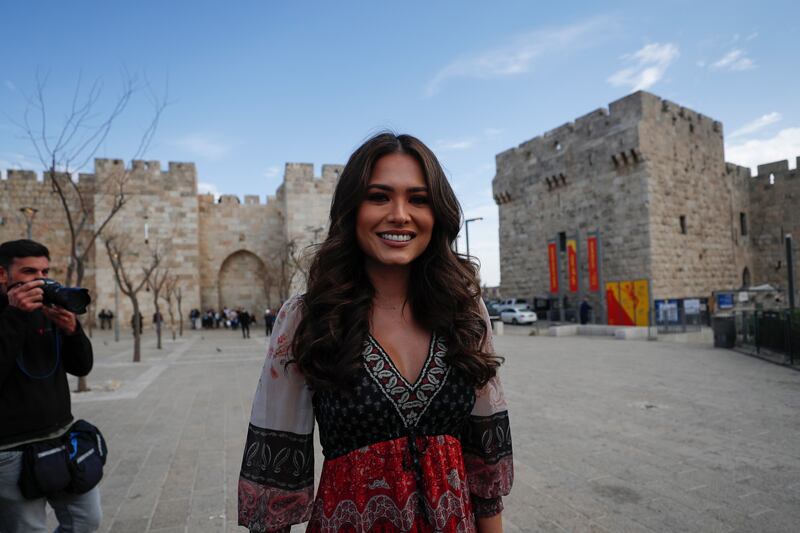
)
(416, 455)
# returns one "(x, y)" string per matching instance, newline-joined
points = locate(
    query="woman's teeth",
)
(394, 237)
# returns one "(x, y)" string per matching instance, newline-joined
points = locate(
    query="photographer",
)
(39, 345)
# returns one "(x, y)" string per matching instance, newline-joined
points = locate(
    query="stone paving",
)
(609, 436)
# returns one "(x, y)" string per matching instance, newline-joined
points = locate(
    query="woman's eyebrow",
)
(383, 187)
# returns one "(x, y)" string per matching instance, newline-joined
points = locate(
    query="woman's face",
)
(395, 220)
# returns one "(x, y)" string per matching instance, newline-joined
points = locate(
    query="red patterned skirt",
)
(379, 488)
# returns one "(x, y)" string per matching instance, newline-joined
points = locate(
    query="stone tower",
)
(651, 177)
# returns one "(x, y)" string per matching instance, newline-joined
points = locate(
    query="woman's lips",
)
(394, 242)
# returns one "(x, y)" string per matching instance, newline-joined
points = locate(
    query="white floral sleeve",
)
(276, 481)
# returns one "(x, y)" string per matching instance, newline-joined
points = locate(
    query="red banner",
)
(572, 264)
(552, 254)
(594, 276)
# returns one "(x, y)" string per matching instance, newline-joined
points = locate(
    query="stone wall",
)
(775, 211)
(165, 202)
(306, 207)
(584, 176)
(687, 178)
(221, 250)
(651, 176)
(24, 188)
(228, 229)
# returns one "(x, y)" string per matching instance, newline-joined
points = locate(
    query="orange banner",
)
(572, 264)
(552, 254)
(594, 275)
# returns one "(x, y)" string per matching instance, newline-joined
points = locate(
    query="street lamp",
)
(466, 227)
(29, 213)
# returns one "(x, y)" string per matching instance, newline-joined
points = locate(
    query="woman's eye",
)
(419, 199)
(377, 197)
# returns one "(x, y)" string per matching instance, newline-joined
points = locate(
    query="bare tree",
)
(67, 148)
(178, 292)
(288, 263)
(169, 293)
(156, 282)
(120, 255)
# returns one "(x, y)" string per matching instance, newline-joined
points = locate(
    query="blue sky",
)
(253, 85)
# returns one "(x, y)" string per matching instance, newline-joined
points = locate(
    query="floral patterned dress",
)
(420, 457)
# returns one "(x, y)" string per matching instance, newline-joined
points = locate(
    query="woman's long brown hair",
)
(443, 286)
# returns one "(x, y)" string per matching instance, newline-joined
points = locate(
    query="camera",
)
(73, 299)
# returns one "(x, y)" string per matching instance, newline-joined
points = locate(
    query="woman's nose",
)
(399, 212)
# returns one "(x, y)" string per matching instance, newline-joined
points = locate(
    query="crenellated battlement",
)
(304, 173)
(737, 172)
(777, 169)
(38, 183)
(614, 139)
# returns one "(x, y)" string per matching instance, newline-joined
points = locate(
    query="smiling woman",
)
(390, 350)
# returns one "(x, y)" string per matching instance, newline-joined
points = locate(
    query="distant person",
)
(585, 310)
(244, 322)
(194, 314)
(269, 320)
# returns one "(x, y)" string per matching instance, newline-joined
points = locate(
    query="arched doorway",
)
(746, 277)
(241, 282)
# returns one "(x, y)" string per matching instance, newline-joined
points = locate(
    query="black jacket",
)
(34, 360)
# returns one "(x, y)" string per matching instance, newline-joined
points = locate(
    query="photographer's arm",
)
(22, 299)
(12, 326)
(76, 350)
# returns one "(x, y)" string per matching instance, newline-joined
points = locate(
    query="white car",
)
(517, 316)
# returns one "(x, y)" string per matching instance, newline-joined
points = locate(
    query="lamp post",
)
(29, 213)
(466, 228)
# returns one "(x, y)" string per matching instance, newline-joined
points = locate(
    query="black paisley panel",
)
(371, 412)
(278, 458)
(486, 507)
(487, 437)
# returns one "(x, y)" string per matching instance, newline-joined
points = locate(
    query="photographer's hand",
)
(27, 296)
(62, 318)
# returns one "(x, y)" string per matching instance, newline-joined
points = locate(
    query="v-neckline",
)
(425, 365)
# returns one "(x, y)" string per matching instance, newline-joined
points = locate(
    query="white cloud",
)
(452, 145)
(751, 36)
(202, 146)
(208, 188)
(757, 124)
(518, 56)
(650, 63)
(784, 145)
(271, 172)
(735, 60)
(15, 161)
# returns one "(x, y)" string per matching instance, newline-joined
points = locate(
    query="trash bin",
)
(724, 327)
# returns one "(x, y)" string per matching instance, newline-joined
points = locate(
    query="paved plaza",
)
(609, 436)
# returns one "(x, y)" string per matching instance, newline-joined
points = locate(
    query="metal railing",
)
(777, 331)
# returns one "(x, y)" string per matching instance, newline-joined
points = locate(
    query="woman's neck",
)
(390, 284)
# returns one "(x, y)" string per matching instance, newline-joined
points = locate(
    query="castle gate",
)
(241, 282)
